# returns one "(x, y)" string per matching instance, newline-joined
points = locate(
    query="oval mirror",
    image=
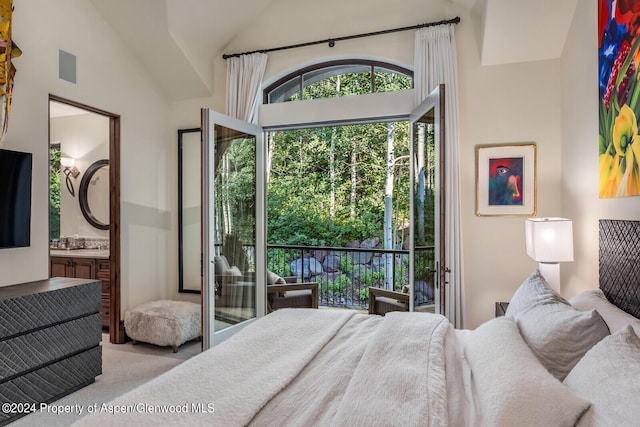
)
(94, 194)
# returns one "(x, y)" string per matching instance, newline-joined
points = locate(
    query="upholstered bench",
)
(164, 323)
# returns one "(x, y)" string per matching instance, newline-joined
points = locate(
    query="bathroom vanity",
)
(85, 264)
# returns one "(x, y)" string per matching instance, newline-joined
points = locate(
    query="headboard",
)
(620, 263)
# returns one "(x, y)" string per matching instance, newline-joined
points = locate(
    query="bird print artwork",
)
(505, 181)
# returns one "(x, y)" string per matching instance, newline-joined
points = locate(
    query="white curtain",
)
(244, 77)
(435, 62)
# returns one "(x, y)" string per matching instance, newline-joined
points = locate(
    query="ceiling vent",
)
(66, 66)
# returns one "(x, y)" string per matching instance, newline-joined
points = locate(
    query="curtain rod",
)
(332, 42)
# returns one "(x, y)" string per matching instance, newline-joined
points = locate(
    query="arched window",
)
(339, 78)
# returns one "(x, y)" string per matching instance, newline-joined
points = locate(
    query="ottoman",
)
(164, 323)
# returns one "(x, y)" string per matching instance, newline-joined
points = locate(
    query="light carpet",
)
(124, 367)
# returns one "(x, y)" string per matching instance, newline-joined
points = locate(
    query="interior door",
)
(233, 221)
(426, 248)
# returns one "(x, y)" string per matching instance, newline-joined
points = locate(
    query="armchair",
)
(292, 295)
(382, 301)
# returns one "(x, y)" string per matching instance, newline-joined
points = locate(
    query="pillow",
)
(615, 317)
(221, 265)
(234, 271)
(608, 376)
(534, 290)
(510, 386)
(558, 334)
(274, 279)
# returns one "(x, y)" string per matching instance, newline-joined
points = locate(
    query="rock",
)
(423, 292)
(331, 263)
(320, 254)
(370, 243)
(306, 267)
(361, 257)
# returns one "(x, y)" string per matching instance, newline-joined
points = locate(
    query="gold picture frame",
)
(506, 180)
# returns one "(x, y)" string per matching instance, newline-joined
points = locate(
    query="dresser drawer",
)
(53, 381)
(38, 348)
(29, 312)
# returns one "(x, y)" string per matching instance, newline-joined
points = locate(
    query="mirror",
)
(93, 186)
(189, 211)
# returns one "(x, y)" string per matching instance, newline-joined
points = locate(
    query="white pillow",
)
(615, 317)
(274, 279)
(510, 386)
(221, 265)
(608, 377)
(558, 334)
(234, 271)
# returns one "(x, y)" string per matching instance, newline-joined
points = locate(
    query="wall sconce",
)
(70, 171)
(550, 241)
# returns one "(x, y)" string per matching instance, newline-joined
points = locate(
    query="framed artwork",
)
(619, 103)
(506, 180)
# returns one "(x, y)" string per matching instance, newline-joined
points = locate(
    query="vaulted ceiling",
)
(177, 40)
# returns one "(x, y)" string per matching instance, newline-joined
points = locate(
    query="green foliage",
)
(54, 192)
(302, 178)
(339, 286)
(372, 278)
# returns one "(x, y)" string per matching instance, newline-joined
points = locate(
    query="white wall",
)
(109, 78)
(498, 105)
(552, 103)
(580, 152)
(84, 138)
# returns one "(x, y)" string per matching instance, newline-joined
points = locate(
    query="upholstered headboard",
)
(620, 263)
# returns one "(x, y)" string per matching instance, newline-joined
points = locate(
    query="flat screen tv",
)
(15, 199)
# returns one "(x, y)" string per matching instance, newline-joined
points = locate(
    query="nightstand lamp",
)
(550, 241)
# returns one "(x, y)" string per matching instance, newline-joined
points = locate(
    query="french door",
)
(233, 226)
(427, 266)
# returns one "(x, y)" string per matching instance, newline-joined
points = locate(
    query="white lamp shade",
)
(67, 161)
(549, 239)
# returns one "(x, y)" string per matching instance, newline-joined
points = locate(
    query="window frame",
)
(300, 72)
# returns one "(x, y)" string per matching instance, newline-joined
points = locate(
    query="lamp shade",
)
(549, 240)
(67, 161)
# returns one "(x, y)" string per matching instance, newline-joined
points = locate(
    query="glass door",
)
(233, 215)
(426, 248)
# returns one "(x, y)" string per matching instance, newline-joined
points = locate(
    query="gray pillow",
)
(510, 386)
(534, 290)
(608, 377)
(558, 334)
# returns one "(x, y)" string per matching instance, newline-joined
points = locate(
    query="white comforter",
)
(307, 367)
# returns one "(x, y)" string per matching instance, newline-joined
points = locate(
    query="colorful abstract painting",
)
(618, 61)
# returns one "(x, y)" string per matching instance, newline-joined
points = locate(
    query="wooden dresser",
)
(50, 333)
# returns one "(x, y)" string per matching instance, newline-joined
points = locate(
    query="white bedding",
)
(336, 367)
(310, 367)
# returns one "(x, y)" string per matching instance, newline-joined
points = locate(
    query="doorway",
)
(84, 147)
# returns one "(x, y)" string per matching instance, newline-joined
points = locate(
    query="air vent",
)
(66, 66)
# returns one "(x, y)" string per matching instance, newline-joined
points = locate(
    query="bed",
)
(547, 362)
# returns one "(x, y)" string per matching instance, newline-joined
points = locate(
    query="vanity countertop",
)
(80, 253)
